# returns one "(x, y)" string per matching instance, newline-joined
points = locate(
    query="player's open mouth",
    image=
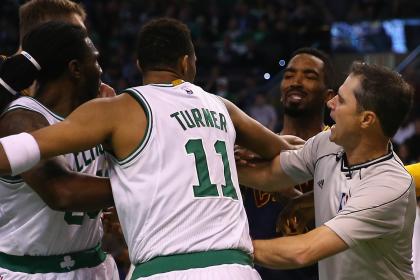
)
(295, 95)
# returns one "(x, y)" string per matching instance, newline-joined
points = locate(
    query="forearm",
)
(259, 177)
(265, 176)
(268, 145)
(65, 190)
(80, 193)
(281, 253)
(298, 251)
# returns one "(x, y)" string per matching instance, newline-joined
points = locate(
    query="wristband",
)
(22, 151)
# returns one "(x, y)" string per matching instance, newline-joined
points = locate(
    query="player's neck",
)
(58, 97)
(161, 77)
(304, 128)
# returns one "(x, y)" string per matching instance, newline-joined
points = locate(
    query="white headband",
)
(6, 86)
(32, 60)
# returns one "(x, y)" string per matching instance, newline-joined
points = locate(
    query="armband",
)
(22, 152)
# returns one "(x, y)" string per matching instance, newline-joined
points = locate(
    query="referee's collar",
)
(346, 168)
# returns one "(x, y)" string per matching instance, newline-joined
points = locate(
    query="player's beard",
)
(302, 110)
(294, 111)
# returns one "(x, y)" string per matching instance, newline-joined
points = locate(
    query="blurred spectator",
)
(403, 133)
(263, 112)
(222, 87)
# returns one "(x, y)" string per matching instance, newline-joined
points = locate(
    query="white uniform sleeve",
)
(375, 209)
(299, 165)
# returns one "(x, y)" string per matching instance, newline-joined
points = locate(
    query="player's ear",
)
(75, 68)
(330, 94)
(184, 63)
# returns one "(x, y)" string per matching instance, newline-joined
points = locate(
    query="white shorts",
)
(107, 270)
(218, 272)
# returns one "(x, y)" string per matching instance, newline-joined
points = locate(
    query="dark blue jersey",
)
(263, 210)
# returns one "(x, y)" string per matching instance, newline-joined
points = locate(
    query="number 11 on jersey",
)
(205, 187)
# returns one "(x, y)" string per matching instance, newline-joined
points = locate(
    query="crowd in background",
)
(238, 43)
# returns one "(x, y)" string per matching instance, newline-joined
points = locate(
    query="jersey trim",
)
(174, 83)
(148, 111)
(22, 107)
(186, 261)
(336, 155)
(11, 179)
(26, 107)
(162, 85)
(58, 117)
(345, 167)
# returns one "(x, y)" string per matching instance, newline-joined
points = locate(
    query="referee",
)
(365, 200)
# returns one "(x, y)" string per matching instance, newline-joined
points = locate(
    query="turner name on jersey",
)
(200, 118)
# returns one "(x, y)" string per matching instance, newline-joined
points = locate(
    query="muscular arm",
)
(60, 188)
(266, 176)
(253, 135)
(118, 122)
(298, 251)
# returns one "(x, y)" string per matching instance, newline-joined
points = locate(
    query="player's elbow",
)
(302, 256)
(59, 202)
(59, 199)
(303, 260)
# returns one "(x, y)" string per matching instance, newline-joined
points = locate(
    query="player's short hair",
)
(385, 93)
(53, 45)
(35, 12)
(161, 42)
(329, 77)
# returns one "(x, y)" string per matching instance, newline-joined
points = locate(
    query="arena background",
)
(243, 46)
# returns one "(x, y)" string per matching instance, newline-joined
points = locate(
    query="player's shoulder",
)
(20, 120)
(24, 101)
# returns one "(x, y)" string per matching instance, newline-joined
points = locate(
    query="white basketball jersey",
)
(27, 225)
(178, 192)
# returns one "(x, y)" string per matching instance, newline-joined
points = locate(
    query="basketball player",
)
(365, 200)
(305, 88)
(37, 241)
(172, 166)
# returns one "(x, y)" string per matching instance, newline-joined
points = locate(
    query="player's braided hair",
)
(52, 45)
